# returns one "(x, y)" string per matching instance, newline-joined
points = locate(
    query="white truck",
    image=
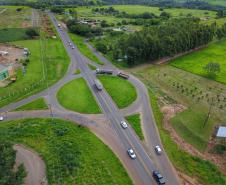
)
(98, 85)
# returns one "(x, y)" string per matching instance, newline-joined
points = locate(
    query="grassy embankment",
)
(77, 96)
(122, 92)
(72, 154)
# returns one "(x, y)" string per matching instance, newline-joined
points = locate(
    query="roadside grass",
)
(72, 153)
(193, 128)
(92, 67)
(76, 96)
(206, 172)
(13, 34)
(77, 71)
(195, 61)
(177, 86)
(38, 104)
(8, 17)
(135, 121)
(121, 91)
(79, 42)
(52, 68)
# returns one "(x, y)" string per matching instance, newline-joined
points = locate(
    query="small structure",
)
(4, 72)
(221, 133)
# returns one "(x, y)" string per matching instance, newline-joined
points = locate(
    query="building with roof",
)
(4, 72)
(221, 133)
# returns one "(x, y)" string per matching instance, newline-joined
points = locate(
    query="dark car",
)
(158, 177)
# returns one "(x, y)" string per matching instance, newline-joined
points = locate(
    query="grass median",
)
(122, 92)
(76, 96)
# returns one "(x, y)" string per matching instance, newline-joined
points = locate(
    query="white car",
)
(131, 153)
(158, 150)
(124, 124)
(1, 118)
(72, 47)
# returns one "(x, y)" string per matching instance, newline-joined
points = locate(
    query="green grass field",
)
(122, 92)
(13, 34)
(72, 154)
(79, 41)
(187, 125)
(204, 171)
(135, 121)
(8, 17)
(38, 104)
(52, 67)
(86, 12)
(92, 67)
(77, 96)
(195, 61)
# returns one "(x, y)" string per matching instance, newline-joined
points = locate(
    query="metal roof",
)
(221, 132)
(3, 67)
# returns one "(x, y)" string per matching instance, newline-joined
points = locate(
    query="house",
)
(4, 72)
(221, 133)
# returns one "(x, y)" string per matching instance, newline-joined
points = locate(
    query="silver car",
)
(124, 124)
(131, 153)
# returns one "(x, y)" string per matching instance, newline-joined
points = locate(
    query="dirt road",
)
(34, 165)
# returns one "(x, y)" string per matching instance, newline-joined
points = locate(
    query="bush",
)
(101, 47)
(31, 33)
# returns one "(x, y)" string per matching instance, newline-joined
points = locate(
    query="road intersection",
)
(140, 170)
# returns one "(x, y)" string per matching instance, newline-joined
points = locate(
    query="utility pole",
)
(208, 114)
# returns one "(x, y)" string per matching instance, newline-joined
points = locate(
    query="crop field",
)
(10, 14)
(72, 154)
(195, 61)
(77, 96)
(122, 92)
(195, 93)
(52, 67)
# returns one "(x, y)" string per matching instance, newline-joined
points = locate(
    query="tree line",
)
(152, 43)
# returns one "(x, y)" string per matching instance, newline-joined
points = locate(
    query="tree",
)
(101, 47)
(56, 9)
(212, 69)
(31, 33)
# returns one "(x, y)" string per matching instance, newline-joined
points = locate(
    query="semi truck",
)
(98, 85)
(104, 71)
(123, 75)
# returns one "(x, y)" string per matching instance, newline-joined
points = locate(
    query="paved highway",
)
(143, 164)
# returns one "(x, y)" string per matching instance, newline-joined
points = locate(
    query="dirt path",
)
(34, 165)
(3, 11)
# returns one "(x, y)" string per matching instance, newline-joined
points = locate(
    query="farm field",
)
(38, 104)
(77, 96)
(176, 86)
(195, 61)
(71, 152)
(11, 18)
(122, 92)
(86, 12)
(183, 161)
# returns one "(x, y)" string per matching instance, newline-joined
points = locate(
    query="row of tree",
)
(176, 36)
